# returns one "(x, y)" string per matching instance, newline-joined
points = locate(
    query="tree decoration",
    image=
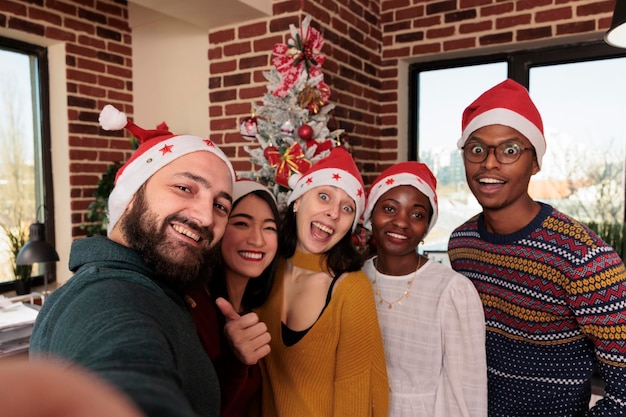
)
(248, 128)
(291, 161)
(291, 126)
(300, 55)
(312, 99)
(287, 127)
(305, 132)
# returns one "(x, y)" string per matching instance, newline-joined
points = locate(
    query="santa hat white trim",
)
(138, 171)
(243, 187)
(382, 186)
(328, 176)
(506, 117)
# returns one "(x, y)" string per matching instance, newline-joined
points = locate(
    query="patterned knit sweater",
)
(554, 296)
(338, 368)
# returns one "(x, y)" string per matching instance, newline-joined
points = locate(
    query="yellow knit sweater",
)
(338, 368)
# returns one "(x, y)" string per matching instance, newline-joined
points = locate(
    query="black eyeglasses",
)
(505, 153)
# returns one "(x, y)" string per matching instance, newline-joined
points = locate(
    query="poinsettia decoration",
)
(300, 54)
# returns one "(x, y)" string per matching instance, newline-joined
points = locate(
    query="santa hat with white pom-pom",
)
(157, 148)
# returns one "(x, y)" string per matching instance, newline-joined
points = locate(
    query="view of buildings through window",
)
(20, 185)
(584, 116)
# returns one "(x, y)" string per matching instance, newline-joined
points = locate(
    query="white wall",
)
(59, 147)
(170, 72)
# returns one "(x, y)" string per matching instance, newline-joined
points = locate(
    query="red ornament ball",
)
(305, 132)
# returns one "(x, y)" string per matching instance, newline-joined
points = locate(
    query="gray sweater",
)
(113, 318)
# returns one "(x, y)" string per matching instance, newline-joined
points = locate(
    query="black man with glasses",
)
(554, 293)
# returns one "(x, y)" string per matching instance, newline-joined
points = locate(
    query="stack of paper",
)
(16, 326)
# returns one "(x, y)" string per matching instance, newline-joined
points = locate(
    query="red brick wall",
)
(239, 55)
(98, 71)
(365, 42)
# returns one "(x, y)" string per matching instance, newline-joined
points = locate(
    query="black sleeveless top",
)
(291, 337)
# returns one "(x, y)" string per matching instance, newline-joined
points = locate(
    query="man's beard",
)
(174, 262)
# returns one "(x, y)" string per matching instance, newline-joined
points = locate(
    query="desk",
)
(17, 318)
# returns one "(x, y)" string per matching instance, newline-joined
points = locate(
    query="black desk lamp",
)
(37, 250)
(616, 35)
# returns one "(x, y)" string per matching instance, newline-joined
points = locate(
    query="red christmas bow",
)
(293, 160)
(301, 53)
(321, 146)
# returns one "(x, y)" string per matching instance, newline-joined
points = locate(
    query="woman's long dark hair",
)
(258, 288)
(343, 257)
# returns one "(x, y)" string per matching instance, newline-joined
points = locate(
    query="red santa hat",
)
(410, 173)
(157, 148)
(508, 104)
(337, 169)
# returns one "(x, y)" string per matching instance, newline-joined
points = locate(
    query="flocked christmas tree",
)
(291, 124)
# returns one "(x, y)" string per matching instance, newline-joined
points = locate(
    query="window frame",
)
(41, 115)
(519, 63)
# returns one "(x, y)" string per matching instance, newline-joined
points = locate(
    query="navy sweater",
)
(554, 296)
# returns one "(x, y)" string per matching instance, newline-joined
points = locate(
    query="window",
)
(579, 91)
(25, 162)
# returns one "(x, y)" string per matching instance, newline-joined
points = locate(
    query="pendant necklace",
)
(405, 294)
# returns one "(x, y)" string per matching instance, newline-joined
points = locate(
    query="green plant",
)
(97, 209)
(17, 237)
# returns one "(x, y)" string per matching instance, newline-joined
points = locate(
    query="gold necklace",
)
(405, 294)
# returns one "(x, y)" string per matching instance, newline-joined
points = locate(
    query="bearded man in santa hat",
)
(123, 314)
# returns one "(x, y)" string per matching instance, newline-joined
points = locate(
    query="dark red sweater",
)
(239, 383)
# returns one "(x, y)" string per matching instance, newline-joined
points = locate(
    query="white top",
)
(434, 343)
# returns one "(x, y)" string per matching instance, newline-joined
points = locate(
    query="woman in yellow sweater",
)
(327, 356)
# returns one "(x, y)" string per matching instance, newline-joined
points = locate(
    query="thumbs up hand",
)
(247, 335)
